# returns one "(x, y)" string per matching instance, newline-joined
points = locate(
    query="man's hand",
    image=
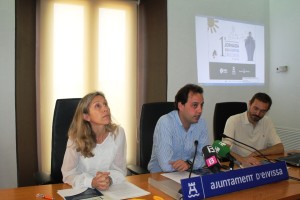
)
(254, 154)
(180, 165)
(247, 161)
(250, 161)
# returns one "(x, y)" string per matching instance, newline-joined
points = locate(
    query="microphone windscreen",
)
(208, 151)
(196, 142)
(211, 159)
(221, 148)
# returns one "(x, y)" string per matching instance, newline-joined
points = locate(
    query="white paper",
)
(177, 176)
(124, 190)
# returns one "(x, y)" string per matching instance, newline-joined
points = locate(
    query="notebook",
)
(293, 159)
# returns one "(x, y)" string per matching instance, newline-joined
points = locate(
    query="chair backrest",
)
(63, 114)
(222, 112)
(150, 114)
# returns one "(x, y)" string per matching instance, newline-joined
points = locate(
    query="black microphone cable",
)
(192, 165)
(260, 153)
(225, 136)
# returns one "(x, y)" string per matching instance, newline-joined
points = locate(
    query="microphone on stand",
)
(223, 151)
(225, 136)
(211, 159)
(192, 165)
(260, 153)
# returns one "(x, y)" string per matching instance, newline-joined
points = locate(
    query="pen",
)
(39, 195)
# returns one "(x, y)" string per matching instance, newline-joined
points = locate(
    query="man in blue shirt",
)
(176, 132)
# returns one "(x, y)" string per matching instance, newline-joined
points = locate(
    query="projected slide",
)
(229, 52)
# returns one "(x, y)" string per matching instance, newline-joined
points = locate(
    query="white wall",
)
(8, 166)
(182, 50)
(284, 50)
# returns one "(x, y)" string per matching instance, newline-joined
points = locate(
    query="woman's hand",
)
(101, 181)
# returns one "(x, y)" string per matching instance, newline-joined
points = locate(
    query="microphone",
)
(225, 136)
(211, 159)
(223, 151)
(260, 153)
(192, 165)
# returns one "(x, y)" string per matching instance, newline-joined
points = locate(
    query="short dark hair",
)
(183, 94)
(262, 97)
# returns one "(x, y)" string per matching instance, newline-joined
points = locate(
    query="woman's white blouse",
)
(109, 156)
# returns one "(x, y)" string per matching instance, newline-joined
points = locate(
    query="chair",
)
(222, 112)
(150, 114)
(63, 114)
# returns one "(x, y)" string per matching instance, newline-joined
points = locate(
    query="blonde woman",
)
(95, 156)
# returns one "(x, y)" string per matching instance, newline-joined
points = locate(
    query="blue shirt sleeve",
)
(162, 144)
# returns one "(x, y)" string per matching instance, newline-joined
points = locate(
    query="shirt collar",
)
(177, 117)
(245, 118)
(179, 121)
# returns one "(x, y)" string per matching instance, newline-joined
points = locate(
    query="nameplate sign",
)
(235, 180)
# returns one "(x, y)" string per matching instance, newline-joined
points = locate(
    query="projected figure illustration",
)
(250, 46)
(212, 25)
(214, 54)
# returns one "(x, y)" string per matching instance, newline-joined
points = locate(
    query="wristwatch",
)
(110, 181)
(190, 163)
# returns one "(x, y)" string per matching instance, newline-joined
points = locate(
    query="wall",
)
(8, 166)
(284, 49)
(182, 49)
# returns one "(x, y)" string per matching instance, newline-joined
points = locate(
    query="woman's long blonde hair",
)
(81, 132)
